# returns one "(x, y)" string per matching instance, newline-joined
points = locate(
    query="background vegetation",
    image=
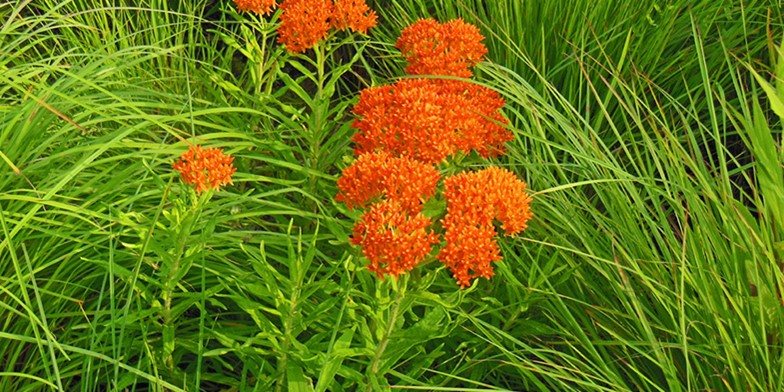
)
(649, 132)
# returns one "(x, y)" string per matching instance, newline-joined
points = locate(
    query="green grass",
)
(649, 134)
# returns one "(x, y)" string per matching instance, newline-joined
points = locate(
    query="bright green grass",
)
(653, 152)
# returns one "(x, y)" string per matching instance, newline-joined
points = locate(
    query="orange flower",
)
(354, 15)
(393, 240)
(432, 48)
(469, 251)
(407, 182)
(429, 120)
(482, 127)
(257, 6)
(304, 23)
(411, 118)
(205, 168)
(474, 200)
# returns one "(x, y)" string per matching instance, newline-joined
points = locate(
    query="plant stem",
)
(382, 346)
(168, 292)
(287, 328)
(172, 280)
(319, 118)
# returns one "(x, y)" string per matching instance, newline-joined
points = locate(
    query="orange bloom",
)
(474, 200)
(393, 240)
(469, 251)
(205, 168)
(407, 182)
(481, 127)
(257, 6)
(410, 118)
(304, 23)
(432, 48)
(429, 120)
(352, 14)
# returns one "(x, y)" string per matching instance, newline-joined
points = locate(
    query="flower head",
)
(429, 120)
(481, 125)
(393, 239)
(206, 168)
(352, 14)
(407, 182)
(474, 201)
(433, 48)
(469, 250)
(411, 118)
(304, 23)
(257, 6)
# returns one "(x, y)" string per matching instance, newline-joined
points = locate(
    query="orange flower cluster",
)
(403, 180)
(305, 22)
(406, 128)
(474, 200)
(432, 48)
(206, 168)
(412, 118)
(429, 120)
(392, 239)
(352, 15)
(257, 6)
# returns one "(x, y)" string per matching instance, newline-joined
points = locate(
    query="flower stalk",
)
(204, 170)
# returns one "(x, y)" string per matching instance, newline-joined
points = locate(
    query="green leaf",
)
(296, 380)
(775, 100)
(334, 360)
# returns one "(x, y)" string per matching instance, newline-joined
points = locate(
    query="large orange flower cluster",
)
(205, 168)
(373, 175)
(392, 238)
(304, 23)
(412, 118)
(474, 200)
(432, 119)
(403, 130)
(432, 48)
(429, 120)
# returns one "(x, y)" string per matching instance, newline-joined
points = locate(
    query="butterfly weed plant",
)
(403, 132)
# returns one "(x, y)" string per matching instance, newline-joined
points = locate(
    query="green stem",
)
(319, 118)
(382, 346)
(168, 293)
(287, 328)
(261, 64)
(171, 281)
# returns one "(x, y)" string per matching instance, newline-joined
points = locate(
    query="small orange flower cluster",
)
(394, 239)
(303, 23)
(376, 174)
(406, 128)
(206, 168)
(257, 6)
(474, 200)
(432, 48)
(352, 15)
